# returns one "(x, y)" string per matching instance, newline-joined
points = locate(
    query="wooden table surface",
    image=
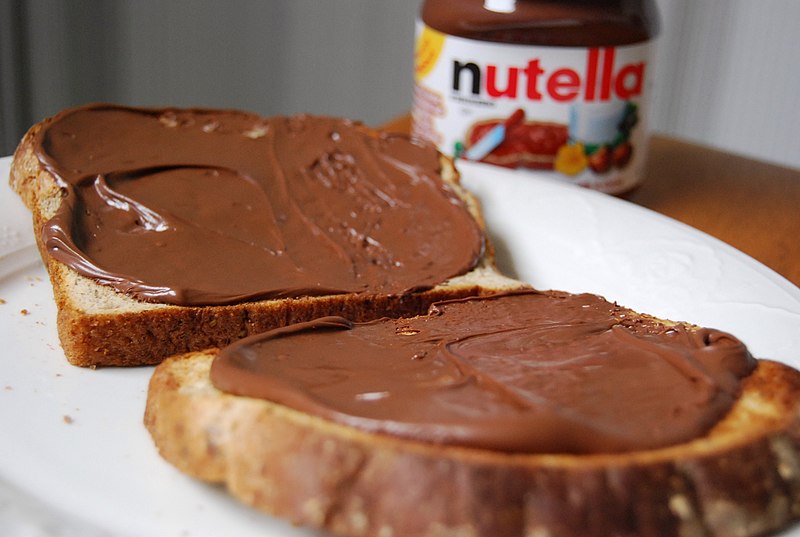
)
(754, 206)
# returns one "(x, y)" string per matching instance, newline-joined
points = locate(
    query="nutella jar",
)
(555, 86)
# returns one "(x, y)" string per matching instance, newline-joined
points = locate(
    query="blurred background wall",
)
(727, 71)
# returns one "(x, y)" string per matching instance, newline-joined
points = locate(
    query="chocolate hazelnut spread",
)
(565, 23)
(199, 207)
(530, 372)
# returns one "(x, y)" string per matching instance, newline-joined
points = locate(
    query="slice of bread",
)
(99, 326)
(742, 478)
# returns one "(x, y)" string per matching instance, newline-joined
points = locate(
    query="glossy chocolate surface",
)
(573, 23)
(521, 372)
(199, 207)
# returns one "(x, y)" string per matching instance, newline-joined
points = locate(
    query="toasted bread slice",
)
(742, 478)
(99, 326)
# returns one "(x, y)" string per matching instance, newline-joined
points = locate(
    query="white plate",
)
(75, 459)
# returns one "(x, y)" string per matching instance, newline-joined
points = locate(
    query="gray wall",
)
(728, 75)
(341, 57)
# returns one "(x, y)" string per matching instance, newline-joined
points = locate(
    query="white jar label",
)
(576, 113)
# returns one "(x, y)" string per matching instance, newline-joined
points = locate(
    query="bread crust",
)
(98, 326)
(741, 479)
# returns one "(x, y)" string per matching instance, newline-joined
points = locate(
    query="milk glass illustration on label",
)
(577, 113)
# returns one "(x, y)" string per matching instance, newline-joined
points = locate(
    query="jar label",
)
(577, 113)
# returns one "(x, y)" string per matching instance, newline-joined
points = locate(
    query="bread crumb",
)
(2, 300)
(24, 311)
(258, 131)
(68, 419)
(8, 388)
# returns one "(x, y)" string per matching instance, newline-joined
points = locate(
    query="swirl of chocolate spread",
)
(202, 207)
(519, 372)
